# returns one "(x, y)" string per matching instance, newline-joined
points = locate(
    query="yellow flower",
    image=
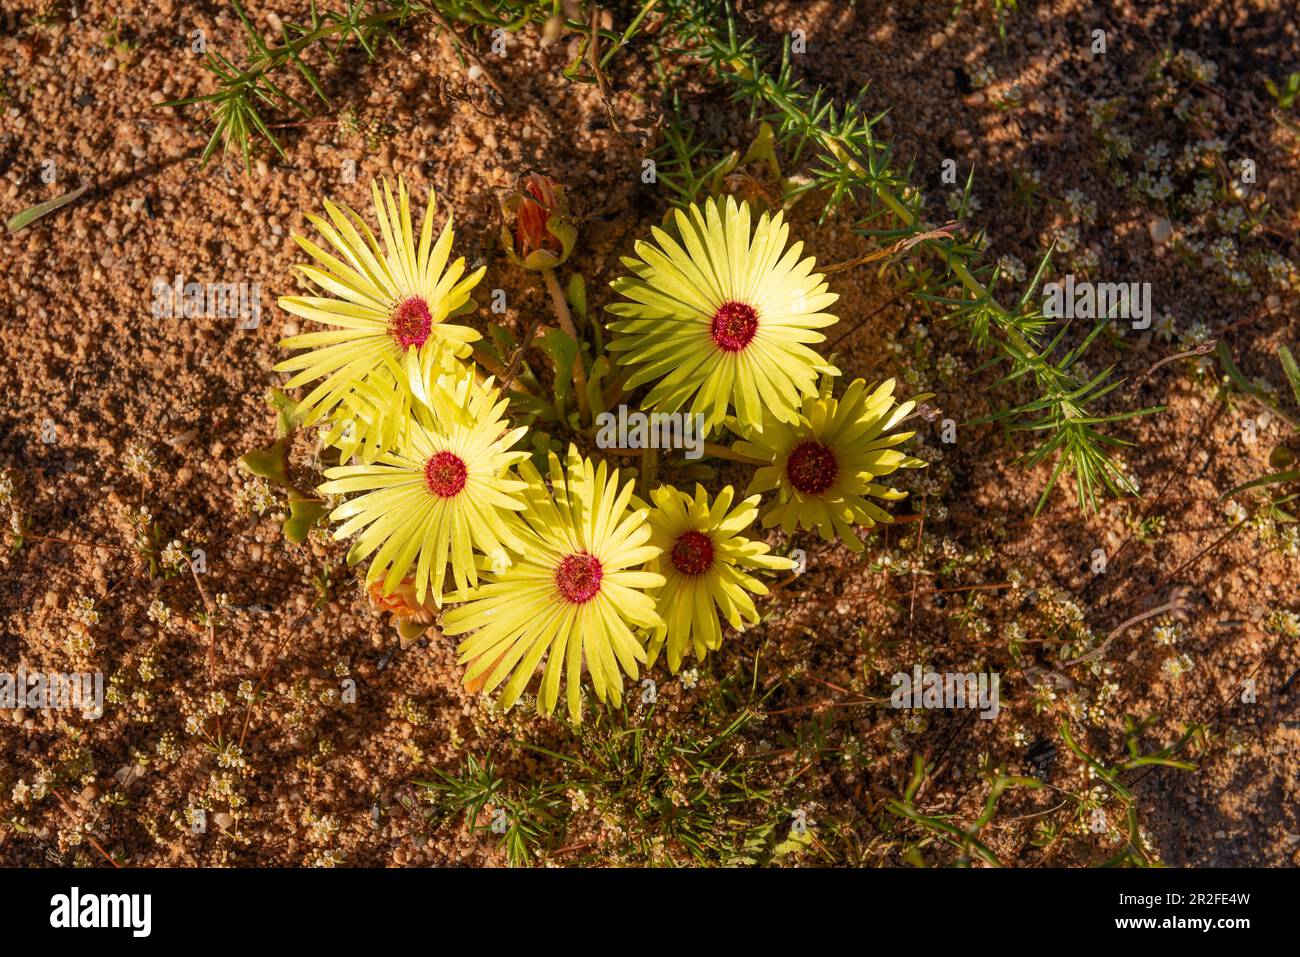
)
(824, 465)
(444, 492)
(574, 596)
(706, 563)
(718, 318)
(387, 307)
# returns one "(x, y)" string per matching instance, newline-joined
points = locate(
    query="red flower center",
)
(812, 468)
(578, 577)
(410, 322)
(734, 326)
(445, 474)
(692, 553)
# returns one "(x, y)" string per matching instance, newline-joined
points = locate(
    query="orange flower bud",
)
(535, 207)
(537, 232)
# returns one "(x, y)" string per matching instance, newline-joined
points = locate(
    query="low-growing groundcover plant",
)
(613, 447)
(569, 566)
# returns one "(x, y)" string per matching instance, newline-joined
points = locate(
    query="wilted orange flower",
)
(414, 619)
(401, 603)
(536, 231)
(411, 618)
(534, 208)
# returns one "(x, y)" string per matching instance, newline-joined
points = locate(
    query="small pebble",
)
(1161, 230)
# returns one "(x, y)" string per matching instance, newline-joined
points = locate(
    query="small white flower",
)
(1166, 326)
(139, 458)
(173, 555)
(83, 610)
(1167, 632)
(160, 613)
(1177, 666)
(1012, 267)
(981, 76)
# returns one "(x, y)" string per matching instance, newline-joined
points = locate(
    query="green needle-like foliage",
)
(850, 166)
(245, 91)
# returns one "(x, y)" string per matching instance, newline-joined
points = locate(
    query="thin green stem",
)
(565, 319)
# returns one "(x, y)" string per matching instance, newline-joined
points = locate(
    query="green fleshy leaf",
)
(408, 632)
(1291, 369)
(595, 385)
(270, 463)
(286, 410)
(563, 353)
(304, 513)
(577, 296)
(543, 445)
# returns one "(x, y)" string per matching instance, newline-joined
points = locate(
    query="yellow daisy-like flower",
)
(823, 467)
(719, 317)
(574, 596)
(444, 492)
(706, 562)
(386, 307)
(369, 419)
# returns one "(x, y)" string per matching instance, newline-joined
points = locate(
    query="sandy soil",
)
(327, 781)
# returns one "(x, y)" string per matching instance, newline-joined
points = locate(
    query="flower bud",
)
(537, 232)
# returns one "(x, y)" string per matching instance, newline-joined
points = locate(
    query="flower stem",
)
(565, 319)
(724, 452)
(649, 470)
(505, 377)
